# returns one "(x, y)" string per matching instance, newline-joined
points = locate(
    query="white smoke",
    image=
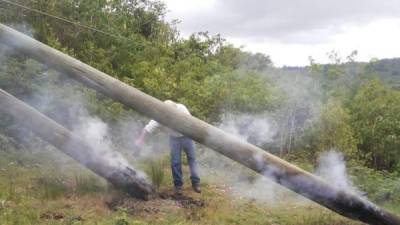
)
(70, 106)
(257, 129)
(129, 128)
(23, 28)
(269, 128)
(241, 182)
(332, 168)
(74, 107)
(95, 132)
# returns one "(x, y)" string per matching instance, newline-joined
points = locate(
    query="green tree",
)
(376, 120)
(334, 130)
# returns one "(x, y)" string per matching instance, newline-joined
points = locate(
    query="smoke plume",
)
(258, 129)
(332, 168)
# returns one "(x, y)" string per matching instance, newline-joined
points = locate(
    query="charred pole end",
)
(280, 171)
(123, 177)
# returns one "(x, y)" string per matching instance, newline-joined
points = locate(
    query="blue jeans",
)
(177, 144)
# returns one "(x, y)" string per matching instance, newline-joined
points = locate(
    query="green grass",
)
(58, 195)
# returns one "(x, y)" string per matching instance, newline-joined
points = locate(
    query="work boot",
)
(178, 190)
(196, 188)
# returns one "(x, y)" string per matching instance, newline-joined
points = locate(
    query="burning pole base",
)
(121, 175)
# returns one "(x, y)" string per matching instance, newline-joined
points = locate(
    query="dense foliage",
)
(140, 48)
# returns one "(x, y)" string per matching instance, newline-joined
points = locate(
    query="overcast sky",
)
(292, 30)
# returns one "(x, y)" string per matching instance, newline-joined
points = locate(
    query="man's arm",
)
(141, 139)
(148, 129)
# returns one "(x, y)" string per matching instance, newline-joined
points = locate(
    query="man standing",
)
(177, 142)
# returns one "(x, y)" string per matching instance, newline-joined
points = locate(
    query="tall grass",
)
(87, 184)
(52, 187)
(156, 172)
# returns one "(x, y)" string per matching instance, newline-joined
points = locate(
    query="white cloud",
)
(291, 30)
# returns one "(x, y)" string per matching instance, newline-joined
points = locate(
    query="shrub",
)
(380, 186)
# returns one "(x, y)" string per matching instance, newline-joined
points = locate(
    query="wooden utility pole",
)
(120, 175)
(266, 164)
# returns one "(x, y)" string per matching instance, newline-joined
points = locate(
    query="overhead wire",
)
(64, 19)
